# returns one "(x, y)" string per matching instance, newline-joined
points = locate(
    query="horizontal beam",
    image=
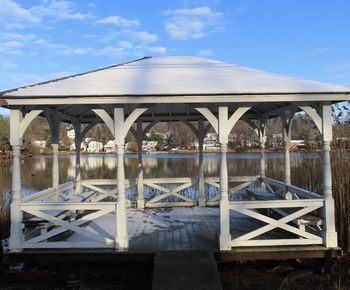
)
(276, 242)
(276, 203)
(67, 245)
(68, 206)
(177, 99)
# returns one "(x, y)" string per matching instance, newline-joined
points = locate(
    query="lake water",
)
(36, 172)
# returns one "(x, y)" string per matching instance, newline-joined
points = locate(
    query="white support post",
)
(262, 141)
(201, 184)
(122, 233)
(140, 194)
(225, 236)
(78, 140)
(287, 118)
(286, 141)
(16, 233)
(54, 123)
(329, 232)
(55, 169)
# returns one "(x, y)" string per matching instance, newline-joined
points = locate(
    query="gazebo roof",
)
(173, 76)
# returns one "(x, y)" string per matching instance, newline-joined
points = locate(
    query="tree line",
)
(178, 135)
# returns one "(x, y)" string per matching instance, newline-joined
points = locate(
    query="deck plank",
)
(177, 240)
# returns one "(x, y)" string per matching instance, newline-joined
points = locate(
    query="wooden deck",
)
(197, 228)
(172, 229)
(175, 229)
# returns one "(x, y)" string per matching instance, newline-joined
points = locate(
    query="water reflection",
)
(36, 172)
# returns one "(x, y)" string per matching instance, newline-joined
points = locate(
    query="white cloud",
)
(144, 36)
(119, 21)
(6, 64)
(61, 49)
(313, 52)
(157, 49)
(125, 44)
(345, 66)
(59, 9)
(205, 52)
(112, 51)
(189, 23)
(18, 36)
(13, 15)
(10, 47)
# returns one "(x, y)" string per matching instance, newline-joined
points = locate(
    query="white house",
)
(149, 145)
(83, 147)
(71, 134)
(95, 146)
(110, 146)
(41, 144)
(297, 143)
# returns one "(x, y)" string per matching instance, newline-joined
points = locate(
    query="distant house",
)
(210, 142)
(149, 145)
(297, 144)
(83, 147)
(40, 144)
(71, 134)
(95, 147)
(110, 146)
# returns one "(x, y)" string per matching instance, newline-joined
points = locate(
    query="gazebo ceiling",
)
(172, 86)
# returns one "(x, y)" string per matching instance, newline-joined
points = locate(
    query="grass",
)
(4, 203)
(308, 174)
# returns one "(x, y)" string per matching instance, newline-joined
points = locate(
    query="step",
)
(175, 270)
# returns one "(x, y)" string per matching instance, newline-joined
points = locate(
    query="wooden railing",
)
(213, 197)
(168, 192)
(294, 210)
(54, 214)
(56, 221)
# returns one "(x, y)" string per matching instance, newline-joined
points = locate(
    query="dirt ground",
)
(292, 274)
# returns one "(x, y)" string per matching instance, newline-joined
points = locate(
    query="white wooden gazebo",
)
(203, 94)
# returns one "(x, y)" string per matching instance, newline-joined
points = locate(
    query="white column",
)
(55, 169)
(329, 232)
(262, 140)
(287, 180)
(16, 233)
(77, 165)
(54, 123)
(122, 232)
(201, 184)
(140, 194)
(225, 236)
(77, 141)
(287, 118)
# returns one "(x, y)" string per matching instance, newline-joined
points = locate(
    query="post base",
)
(330, 240)
(225, 242)
(201, 201)
(140, 203)
(15, 246)
(122, 243)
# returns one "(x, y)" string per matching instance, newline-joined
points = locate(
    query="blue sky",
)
(44, 39)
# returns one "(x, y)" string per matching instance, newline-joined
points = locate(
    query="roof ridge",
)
(72, 76)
